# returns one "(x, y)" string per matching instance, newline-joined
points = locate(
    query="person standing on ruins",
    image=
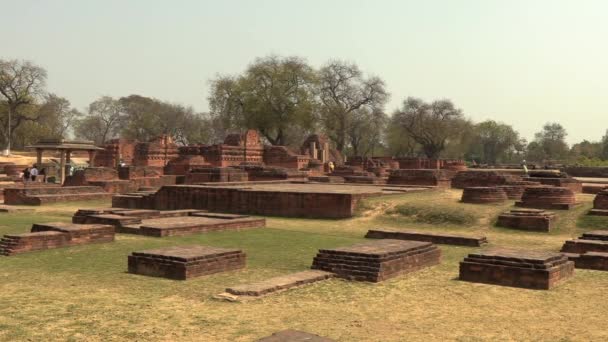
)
(26, 175)
(34, 173)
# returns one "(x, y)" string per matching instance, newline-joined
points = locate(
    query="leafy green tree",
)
(431, 125)
(103, 122)
(493, 142)
(550, 143)
(273, 95)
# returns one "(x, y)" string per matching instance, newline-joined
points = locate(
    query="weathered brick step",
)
(445, 239)
(71, 197)
(589, 260)
(279, 283)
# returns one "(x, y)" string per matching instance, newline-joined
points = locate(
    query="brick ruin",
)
(438, 178)
(437, 238)
(465, 179)
(483, 195)
(600, 204)
(425, 163)
(589, 251)
(537, 270)
(185, 262)
(158, 223)
(558, 179)
(55, 235)
(536, 220)
(547, 197)
(291, 335)
(378, 260)
(52, 194)
(291, 200)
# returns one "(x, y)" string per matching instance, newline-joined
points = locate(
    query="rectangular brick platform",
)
(378, 260)
(314, 200)
(590, 260)
(43, 195)
(280, 283)
(185, 262)
(538, 270)
(55, 235)
(192, 225)
(291, 335)
(592, 241)
(438, 238)
(537, 220)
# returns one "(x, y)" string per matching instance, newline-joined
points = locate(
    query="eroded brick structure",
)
(537, 270)
(378, 260)
(547, 197)
(593, 241)
(55, 235)
(185, 262)
(439, 178)
(483, 194)
(600, 204)
(464, 179)
(438, 238)
(537, 220)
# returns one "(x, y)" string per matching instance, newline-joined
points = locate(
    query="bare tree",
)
(344, 90)
(102, 122)
(21, 82)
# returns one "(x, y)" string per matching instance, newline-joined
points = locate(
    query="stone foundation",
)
(482, 195)
(536, 220)
(438, 238)
(547, 197)
(378, 260)
(439, 178)
(55, 235)
(280, 283)
(537, 270)
(185, 262)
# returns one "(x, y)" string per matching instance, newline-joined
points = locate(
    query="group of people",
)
(32, 174)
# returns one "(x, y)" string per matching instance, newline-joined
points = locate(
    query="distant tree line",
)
(285, 99)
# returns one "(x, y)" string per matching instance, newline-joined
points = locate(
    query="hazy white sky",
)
(523, 62)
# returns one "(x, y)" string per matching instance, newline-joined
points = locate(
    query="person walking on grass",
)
(34, 173)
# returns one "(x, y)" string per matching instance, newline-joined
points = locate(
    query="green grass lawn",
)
(84, 292)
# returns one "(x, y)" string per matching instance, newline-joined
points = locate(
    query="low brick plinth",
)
(592, 241)
(563, 182)
(38, 195)
(600, 201)
(326, 179)
(185, 262)
(482, 195)
(364, 179)
(592, 188)
(547, 197)
(280, 283)
(518, 268)
(291, 335)
(476, 178)
(55, 235)
(438, 238)
(438, 178)
(177, 226)
(536, 220)
(376, 261)
(590, 260)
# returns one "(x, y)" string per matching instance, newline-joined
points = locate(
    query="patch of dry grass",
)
(84, 293)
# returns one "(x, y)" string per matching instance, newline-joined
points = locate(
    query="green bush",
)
(435, 214)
